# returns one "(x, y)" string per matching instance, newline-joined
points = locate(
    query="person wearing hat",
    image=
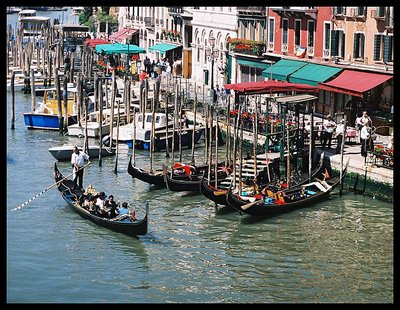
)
(328, 128)
(339, 135)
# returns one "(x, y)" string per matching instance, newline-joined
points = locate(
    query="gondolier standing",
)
(78, 160)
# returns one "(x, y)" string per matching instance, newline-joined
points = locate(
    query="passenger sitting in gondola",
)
(86, 202)
(98, 206)
(111, 207)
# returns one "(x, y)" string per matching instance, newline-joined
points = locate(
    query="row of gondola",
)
(266, 200)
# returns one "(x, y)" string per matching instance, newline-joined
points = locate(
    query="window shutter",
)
(356, 46)
(386, 48)
(333, 43)
(362, 45)
(377, 47)
(343, 43)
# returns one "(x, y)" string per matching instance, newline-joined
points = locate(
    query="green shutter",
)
(356, 46)
(362, 45)
(343, 44)
(229, 68)
(386, 48)
(333, 43)
(377, 47)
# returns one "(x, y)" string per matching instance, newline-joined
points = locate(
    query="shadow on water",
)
(223, 210)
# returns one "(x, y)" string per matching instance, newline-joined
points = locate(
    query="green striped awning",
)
(311, 74)
(283, 68)
(163, 47)
(256, 64)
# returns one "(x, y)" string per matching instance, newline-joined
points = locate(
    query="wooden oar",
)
(246, 206)
(45, 190)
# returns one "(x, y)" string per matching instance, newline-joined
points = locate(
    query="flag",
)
(301, 52)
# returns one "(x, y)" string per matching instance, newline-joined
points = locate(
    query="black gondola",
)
(236, 201)
(192, 182)
(155, 177)
(219, 195)
(305, 195)
(119, 224)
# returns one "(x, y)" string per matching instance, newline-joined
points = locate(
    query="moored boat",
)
(63, 152)
(46, 114)
(306, 195)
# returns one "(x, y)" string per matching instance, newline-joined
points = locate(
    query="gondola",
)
(306, 195)
(236, 201)
(155, 177)
(219, 195)
(119, 224)
(192, 182)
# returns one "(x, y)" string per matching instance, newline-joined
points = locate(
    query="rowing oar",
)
(246, 206)
(45, 190)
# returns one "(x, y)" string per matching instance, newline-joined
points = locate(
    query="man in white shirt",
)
(327, 130)
(358, 125)
(339, 135)
(366, 140)
(78, 161)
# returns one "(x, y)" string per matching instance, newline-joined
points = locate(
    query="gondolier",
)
(78, 160)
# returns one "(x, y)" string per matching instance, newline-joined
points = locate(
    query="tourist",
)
(366, 140)
(339, 135)
(78, 160)
(328, 128)
(358, 125)
(365, 118)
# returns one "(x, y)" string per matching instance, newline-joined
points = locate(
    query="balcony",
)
(252, 10)
(248, 47)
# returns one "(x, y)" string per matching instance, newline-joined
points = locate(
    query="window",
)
(337, 43)
(285, 24)
(358, 51)
(380, 11)
(311, 28)
(327, 34)
(271, 30)
(360, 11)
(383, 48)
(378, 47)
(388, 48)
(339, 10)
(198, 51)
(297, 31)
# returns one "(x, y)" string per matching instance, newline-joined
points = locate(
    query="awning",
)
(283, 68)
(312, 74)
(256, 64)
(93, 42)
(354, 83)
(117, 48)
(163, 47)
(264, 87)
(122, 34)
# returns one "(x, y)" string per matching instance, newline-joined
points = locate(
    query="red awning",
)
(354, 83)
(263, 87)
(93, 42)
(122, 34)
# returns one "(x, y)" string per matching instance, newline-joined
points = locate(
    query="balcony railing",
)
(248, 47)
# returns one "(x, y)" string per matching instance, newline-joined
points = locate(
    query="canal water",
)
(338, 251)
